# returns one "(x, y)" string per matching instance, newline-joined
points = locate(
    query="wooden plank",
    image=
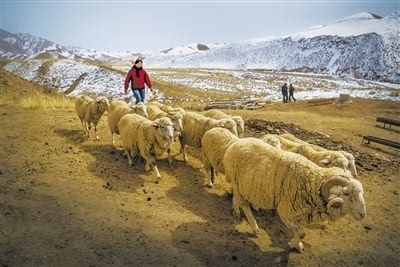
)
(382, 141)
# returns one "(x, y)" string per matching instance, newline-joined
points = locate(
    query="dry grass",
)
(16, 91)
(38, 101)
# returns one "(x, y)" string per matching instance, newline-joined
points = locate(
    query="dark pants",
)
(291, 96)
(139, 94)
(285, 97)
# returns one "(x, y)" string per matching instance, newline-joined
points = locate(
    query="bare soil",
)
(67, 200)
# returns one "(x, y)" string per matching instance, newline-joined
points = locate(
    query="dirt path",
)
(69, 201)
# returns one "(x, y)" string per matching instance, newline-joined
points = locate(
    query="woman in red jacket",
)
(138, 77)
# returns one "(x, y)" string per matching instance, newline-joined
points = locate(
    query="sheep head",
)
(351, 162)
(240, 125)
(229, 124)
(176, 119)
(344, 196)
(165, 131)
(272, 140)
(335, 160)
(102, 103)
(140, 109)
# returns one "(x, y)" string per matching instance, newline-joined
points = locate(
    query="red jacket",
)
(137, 82)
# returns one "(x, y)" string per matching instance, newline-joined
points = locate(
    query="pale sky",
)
(150, 26)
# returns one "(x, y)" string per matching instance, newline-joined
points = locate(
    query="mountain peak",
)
(362, 16)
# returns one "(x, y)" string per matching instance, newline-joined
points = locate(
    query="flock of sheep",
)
(305, 183)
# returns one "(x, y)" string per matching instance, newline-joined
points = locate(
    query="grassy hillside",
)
(16, 91)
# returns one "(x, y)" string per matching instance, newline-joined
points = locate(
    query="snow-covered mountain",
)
(72, 77)
(26, 46)
(362, 46)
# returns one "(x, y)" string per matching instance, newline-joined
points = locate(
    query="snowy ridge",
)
(362, 45)
(26, 46)
(63, 74)
(76, 77)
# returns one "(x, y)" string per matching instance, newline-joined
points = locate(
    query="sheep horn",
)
(334, 181)
(336, 202)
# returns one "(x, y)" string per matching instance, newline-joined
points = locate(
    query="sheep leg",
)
(97, 134)
(112, 138)
(169, 156)
(130, 159)
(247, 211)
(83, 122)
(236, 201)
(297, 230)
(88, 127)
(152, 162)
(211, 177)
(158, 176)
(213, 174)
(148, 162)
(183, 149)
(209, 180)
(299, 234)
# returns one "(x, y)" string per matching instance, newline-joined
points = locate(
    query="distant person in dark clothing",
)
(138, 77)
(285, 93)
(291, 90)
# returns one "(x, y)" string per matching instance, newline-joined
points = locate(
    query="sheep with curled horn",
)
(302, 192)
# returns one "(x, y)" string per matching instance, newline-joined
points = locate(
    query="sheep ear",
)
(155, 125)
(336, 203)
(326, 161)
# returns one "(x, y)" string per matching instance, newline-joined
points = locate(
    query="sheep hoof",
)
(299, 247)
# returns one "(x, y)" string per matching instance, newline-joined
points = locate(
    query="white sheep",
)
(167, 108)
(90, 111)
(322, 158)
(194, 127)
(119, 108)
(302, 192)
(213, 146)
(218, 114)
(272, 140)
(176, 117)
(150, 138)
(349, 156)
